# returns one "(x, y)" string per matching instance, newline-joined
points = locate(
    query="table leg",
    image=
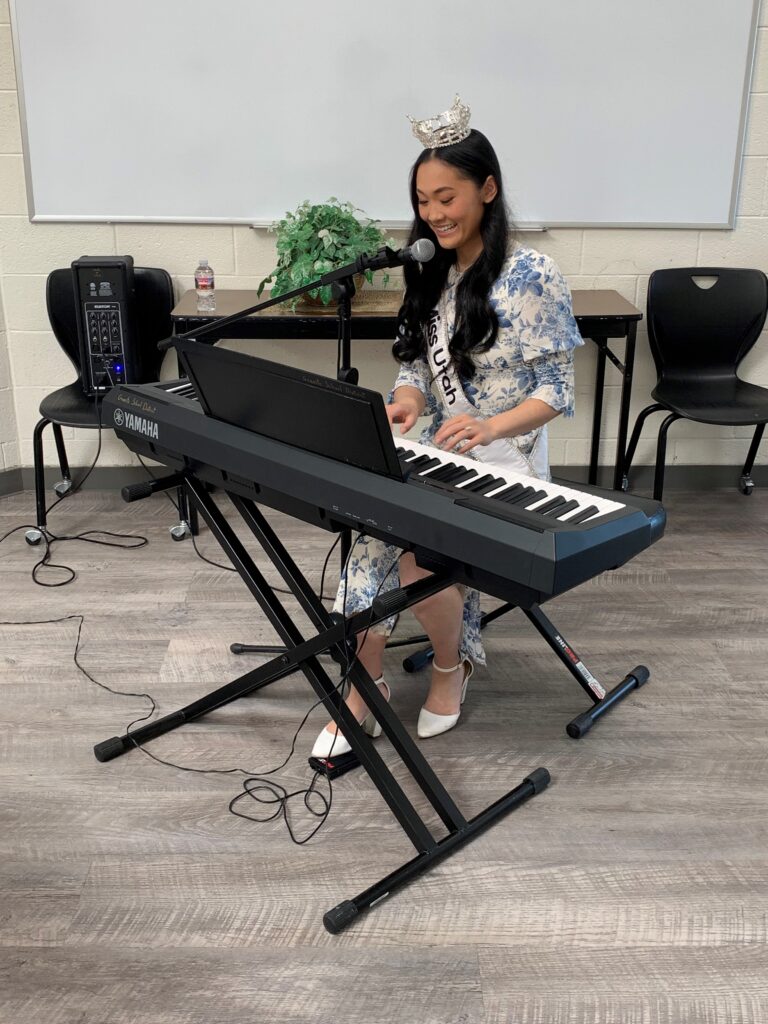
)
(626, 396)
(597, 413)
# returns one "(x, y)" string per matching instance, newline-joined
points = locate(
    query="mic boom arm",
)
(421, 251)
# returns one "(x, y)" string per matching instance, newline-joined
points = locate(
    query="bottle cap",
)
(204, 262)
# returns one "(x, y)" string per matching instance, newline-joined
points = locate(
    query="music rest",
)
(319, 414)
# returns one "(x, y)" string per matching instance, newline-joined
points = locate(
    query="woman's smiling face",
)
(453, 206)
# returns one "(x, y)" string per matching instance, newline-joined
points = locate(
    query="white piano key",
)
(181, 386)
(603, 505)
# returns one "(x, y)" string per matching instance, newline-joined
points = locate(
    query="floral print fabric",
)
(533, 353)
(531, 358)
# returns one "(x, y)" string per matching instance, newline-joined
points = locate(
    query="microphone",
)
(421, 251)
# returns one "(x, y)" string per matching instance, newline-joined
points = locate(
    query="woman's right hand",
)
(404, 413)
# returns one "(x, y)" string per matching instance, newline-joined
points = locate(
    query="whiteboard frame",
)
(387, 225)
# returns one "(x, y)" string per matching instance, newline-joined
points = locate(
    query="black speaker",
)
(105, 299)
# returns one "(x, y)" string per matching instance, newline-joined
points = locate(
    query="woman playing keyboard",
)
(485, 344)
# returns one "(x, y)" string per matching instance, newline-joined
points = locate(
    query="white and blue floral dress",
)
(531, 358)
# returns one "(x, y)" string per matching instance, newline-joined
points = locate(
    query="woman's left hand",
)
(463, 433)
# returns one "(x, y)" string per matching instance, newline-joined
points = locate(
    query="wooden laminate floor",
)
(633, 891)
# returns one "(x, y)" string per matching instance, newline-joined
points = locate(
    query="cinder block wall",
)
(31, 363)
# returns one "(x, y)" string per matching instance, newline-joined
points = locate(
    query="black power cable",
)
(230, 568)
(257, 782)
(87, 536)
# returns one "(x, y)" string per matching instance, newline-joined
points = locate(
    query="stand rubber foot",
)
(580, 726)
(110, 748)
(539, 779)
(416, 662)
(582, 723)
(641, 674)
(336, 920)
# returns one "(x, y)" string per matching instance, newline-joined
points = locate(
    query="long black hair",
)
(476, 323)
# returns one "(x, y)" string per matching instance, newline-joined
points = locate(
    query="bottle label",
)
(204, 283)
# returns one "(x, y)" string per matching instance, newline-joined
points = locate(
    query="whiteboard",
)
(603, 112)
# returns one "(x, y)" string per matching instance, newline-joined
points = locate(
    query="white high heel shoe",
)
(429, 723)
(333, 743)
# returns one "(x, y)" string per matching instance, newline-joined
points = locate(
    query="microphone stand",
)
(343, 287)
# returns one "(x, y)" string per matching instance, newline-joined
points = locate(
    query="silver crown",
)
(443, 129)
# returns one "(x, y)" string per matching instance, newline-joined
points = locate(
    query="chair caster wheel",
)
(625, 483)
(63, 487)
(33, 537)
(179, 532)
(746, 485)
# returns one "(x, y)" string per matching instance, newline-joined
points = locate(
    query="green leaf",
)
(316, 237)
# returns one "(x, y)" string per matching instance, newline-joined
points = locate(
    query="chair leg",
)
(180, 530)
(37, 449)
(632, 446)
(65, 484)
(747, 484)
(661, 455)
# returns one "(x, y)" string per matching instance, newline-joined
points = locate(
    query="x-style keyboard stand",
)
(335, 635)
(602, 700)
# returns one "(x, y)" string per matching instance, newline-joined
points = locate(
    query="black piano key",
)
(524, 495)
(440, 474)
(419, 461)
(450, 473)
(480, 483)
(497, 481)
(429, 464)
(510, 494)
(536, 496)
(569, 506)
(408, 454)
(584, 514)
(460, 475)
(551, 505)
(494, 485)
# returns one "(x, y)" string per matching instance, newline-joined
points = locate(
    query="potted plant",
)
(316, 238)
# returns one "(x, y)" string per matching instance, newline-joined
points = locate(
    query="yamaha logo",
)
(139, 424)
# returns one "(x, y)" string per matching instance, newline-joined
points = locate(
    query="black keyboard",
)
(516, 537)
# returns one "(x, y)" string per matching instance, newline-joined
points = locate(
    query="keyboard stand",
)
(602, 701)
(335, 635)
(343, 291)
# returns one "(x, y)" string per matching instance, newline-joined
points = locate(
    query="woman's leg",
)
(371, 570)
(370, 656)
(441, 617)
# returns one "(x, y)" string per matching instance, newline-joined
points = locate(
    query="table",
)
(602, 315)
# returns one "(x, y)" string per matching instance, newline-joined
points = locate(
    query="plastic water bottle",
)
(206, 296)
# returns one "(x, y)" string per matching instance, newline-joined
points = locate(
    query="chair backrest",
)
(704, 331)
(154, 302)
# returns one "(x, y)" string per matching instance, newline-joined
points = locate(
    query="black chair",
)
(69, 406)
(699, 335)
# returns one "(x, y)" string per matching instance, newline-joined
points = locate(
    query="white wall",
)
(590, 258)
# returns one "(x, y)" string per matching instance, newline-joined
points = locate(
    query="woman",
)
(485, 340)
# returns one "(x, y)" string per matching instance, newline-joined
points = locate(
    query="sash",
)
(504, 452)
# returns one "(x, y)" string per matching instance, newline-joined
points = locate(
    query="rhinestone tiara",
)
(443, 129)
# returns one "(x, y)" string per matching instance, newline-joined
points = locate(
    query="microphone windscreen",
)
(422, 250)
